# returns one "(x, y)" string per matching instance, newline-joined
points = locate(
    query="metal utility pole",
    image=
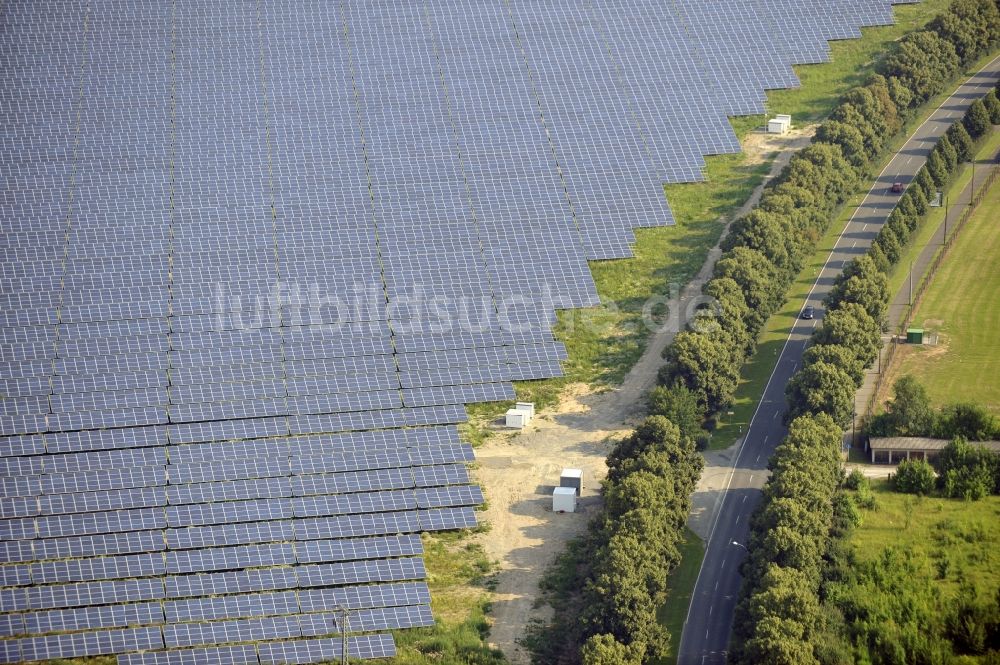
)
(345, 646)
(343, 633)
(911, 282)
(854, 420)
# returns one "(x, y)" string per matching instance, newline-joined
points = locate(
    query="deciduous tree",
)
(914, 477)
(924, 61)
(992, 105)
(910, 412)
(851, 326)
(838, 355)
(706, 365)
(937, 169)
(946, 150)
(959, 138)
(822, 388)
(977, 119)
(760, 280)
(680, 406)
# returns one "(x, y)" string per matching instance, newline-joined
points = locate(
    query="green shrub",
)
(914, 477)
(855, 479)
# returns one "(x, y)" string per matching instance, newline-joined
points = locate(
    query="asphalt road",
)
(709, 622)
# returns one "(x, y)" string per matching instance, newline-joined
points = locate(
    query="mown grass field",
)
(960, 305)
(899, 277)
(681, 585)
(961, 533)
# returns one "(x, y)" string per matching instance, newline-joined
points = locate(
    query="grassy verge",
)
(900, 274)
(758, 369)
(681, 585)
(952, 540)
(460, 576)
(959, 307)
(851, 63)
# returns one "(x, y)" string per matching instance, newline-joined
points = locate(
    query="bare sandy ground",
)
(518, 470)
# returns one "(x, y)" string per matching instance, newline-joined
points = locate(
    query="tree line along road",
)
(707, 629)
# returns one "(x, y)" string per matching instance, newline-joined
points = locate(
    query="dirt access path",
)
(517, 470)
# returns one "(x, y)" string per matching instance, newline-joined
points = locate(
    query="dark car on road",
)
(808, 312)
(897, 188)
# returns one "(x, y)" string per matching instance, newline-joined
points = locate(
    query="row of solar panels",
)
(396, 25)
(200, 514)
(83, 451)
(370, 600)
(221, 462)
(286, 652)
(67, 493)
(186, 586)
(197, 634)
(118, 540)
(227, 430)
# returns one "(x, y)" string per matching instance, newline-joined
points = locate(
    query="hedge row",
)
(779, 618)
(647, 496)
(611, 582)
(779, 613)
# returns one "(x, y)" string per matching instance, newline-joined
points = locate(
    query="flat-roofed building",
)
(894, 449)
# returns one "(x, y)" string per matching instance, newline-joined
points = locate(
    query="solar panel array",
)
(256, 257)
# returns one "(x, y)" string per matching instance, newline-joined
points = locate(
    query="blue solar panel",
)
(97, 545)
(93, 593)
(229, 534)
(83, 502)
(234, 413)
(235, 655)
(89, 618)
(316, 651)
(106, 568)
(232, 606)
(360, 572)
(221, 632)
(90, 644)
(243, 581)
(11, 625)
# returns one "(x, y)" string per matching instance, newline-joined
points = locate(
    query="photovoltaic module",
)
(256, 256)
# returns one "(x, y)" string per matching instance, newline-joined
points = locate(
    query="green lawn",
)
(681, 585)
(961, 306)
(898, 278)
(962, 533)
(460, 577)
